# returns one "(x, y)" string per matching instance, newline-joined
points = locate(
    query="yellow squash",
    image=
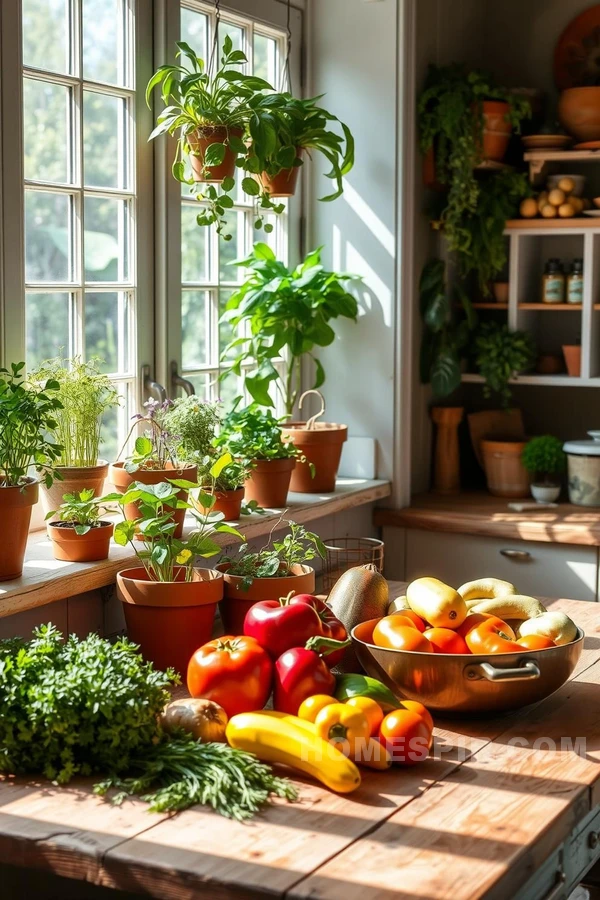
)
(278, 739)
(436, 602)
(485, 589)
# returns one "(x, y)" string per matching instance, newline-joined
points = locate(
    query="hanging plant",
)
(501, 354)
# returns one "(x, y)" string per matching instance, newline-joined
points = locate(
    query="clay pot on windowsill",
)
(170, 619)
(269, 482)
(16, 504)
(236, 602)
(322, 446)
(227, 502)
(92, 546)
(283, 184)
(200, 141)
(74, 479)
(122, 481)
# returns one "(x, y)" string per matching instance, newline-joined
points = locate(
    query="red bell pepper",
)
(279, 625)
(330, 624)
(301, 672)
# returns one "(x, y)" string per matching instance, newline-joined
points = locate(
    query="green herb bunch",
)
(28, 424)
(287, 313)
(82, 510)
(544, 456)
(157, 448)
(193, 422)
(254, 433)
(276, 558)
(85, 394)
(500, 354)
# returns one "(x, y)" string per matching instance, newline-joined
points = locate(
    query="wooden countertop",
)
(489, 810)
(479, 513)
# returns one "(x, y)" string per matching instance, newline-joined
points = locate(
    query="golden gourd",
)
(436, 602)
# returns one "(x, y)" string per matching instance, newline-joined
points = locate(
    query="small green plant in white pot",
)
(546, 460)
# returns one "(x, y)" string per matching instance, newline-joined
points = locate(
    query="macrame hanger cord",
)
(286, 73)
(215, 46)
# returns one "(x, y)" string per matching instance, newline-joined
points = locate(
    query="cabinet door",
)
(535, 568)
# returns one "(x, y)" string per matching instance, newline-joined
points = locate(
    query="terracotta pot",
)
(506, 475)
(15, 515)
(90, 547)
(169, 620)
(285, 182)
(549, 364)
(228, 502)
(430, 175)
(579, 112)
(496, 129)
(572, 355)
(200, 141)
(236, 603)
(122, 481)
(322, 446)
(269, 482)
(500, 289)
(74, 479)
(447, 456)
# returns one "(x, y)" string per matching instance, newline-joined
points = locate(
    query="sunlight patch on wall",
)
(369, 218)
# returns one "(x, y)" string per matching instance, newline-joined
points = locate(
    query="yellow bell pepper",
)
(312, 706)
(338, 723)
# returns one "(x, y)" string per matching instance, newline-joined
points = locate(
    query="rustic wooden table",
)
(508, 807)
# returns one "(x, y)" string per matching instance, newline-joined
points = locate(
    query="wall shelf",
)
(538, 159)
(553, 307)
(491, 305)
(539, 380)
(576, 225)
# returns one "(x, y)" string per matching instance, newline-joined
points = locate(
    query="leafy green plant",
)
(85, 394)
(276, 558)
(254, 433)
(157, 448)
(444, 341)
(544, 457)
(193, 422)
(500, 354)
(84, 707)
(81, 510)
(28, 423)
(287, 312)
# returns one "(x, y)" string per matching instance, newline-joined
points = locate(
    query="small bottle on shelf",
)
(574, 289)
(553, 282)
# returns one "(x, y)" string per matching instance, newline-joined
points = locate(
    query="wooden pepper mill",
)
(447, 458)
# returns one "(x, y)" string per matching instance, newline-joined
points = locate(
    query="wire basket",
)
(347, 552)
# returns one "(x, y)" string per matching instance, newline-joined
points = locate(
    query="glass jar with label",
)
(574, 289)
(553, 282)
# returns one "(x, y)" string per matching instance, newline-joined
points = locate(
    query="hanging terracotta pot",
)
(15, 515)
(236, 602)
(74, 480)
(269, 482)
(171, 619)
(322, 446)
(227, 502)
(200, 141)
(92, 546)
(496, 129)
(283, 184)
(122, 481)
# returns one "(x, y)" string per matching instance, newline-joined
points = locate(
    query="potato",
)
(556, 197)
(577, 204)
(566, 184)
(549, 211)
(542, 200)
(566, 211)
(528, 208)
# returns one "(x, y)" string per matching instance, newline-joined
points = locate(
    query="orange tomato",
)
(445, 640)
(535, 642)
(491, 635)
(312, 706)
(371, 710)
(477, 618)
(406, 736)
(420, 710)
(392, 632)
(414, 618)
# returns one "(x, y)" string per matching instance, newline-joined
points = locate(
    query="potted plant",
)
(228, 489)
(154, 459)
(254, 436)
(169, 604)
(319, 445)
(27, 426)
(79, 534)
(274, 571)
(85, 394)
(502, 354)
(545, 459)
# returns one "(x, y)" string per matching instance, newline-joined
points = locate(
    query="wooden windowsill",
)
(46, 579)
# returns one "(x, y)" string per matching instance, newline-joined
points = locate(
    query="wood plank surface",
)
(479, 513)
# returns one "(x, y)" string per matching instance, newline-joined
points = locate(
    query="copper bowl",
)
(467, 683)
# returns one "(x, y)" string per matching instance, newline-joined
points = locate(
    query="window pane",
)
(226, 331)
(115, 426)
(202, 384)
(48, 237)
(104, 141)
(104, 41)
(106, 239)
(228, 389)
(195, 312)
(106, 335)
(235, 33)
(46, 126)
(231, 250)
(46, 34)
(46, 326)
(193, 32)
(265, 58)
(194, 246)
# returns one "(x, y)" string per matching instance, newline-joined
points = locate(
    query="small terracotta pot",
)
(227, 502)
(549, 364)
(506, 475)
(169, 620)
(500, 289)
(199, 143)
(496, 129)
(572, 355)
(73, 547)
(322, 446)
(122, 480)
(269, 482)
(236, 603)
(579, 112)
(15, 515)
(74, 479)
(283, 184)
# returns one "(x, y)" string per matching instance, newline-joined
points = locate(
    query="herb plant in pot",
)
(274, 571)
(321, 447)
(545, 459)
(79, 534)
(27, 427)
(86, 394)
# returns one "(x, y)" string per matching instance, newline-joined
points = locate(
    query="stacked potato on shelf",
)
(560, 202)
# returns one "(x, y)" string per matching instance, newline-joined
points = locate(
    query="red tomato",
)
(300, 673)
(535, 642)
(420, 710)
(445, 640)
(330, 625)
(278, 625)
(235, 672)
(406, 735)
(490, 635)
(394, 632)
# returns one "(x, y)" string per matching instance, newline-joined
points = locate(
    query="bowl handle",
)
(527, 672)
